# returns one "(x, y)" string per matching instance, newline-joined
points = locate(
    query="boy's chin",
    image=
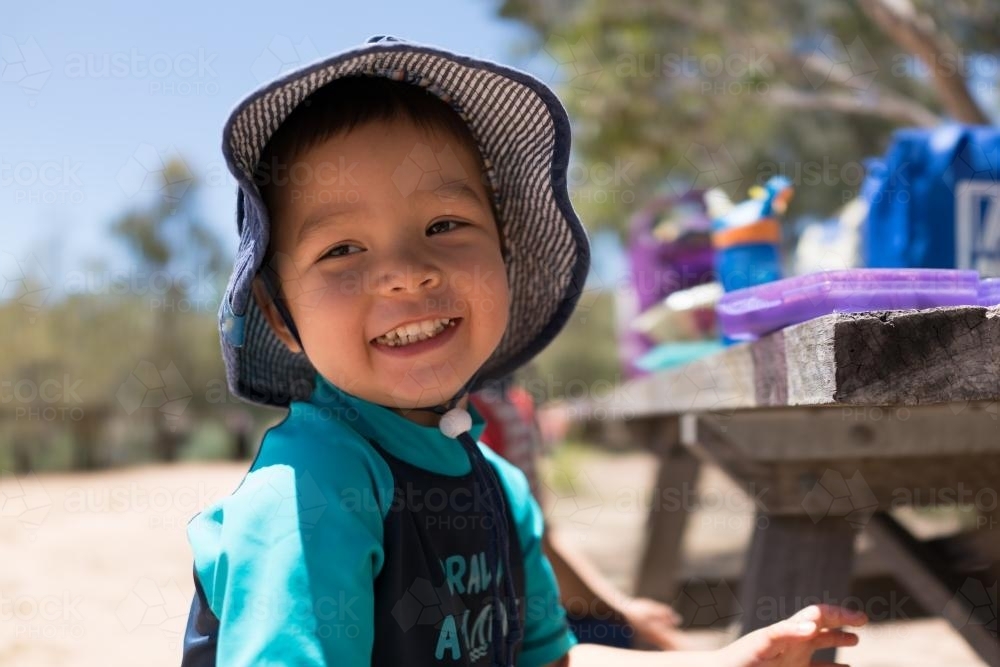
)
(425, 387)
(424, 401)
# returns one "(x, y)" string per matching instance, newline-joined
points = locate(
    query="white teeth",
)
(413, 332)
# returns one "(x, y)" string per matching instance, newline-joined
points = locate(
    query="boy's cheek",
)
(326, 288)
(479, 276)
(489, 302)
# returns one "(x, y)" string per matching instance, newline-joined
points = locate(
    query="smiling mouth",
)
(415, 332)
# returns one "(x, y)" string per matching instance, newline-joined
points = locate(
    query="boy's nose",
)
(411, 279)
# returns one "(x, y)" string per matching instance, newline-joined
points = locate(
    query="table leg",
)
(676, 478)
(966, 603)
(794, 562)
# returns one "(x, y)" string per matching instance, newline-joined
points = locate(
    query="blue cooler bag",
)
(935, 201)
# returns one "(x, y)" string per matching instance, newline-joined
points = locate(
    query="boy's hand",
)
(653, 622)
(792, 642)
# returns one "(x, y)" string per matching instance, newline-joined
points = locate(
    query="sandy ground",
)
(97, 570)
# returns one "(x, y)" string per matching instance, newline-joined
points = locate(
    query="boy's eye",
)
(443, 226)
(341, 250)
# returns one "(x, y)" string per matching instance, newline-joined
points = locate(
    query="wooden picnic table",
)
(828, 425)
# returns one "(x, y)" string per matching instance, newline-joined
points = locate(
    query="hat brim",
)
(523, 134)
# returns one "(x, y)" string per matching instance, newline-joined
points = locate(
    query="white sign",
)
(977, 226)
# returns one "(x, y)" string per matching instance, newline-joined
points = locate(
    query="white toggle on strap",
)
(455, 422)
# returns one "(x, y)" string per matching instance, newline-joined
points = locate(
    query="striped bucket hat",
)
(523, 135)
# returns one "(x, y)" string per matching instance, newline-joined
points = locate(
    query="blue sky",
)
(91, 91)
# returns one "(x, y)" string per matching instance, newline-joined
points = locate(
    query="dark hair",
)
(345, 104)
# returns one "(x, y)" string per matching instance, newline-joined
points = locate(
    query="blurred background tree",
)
(179, 260)
(729, 93)
(85, 394)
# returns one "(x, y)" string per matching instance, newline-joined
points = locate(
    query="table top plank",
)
(909, 357)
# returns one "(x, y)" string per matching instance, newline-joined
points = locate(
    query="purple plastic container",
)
(749, 313)
(658, 268)
(989, 292)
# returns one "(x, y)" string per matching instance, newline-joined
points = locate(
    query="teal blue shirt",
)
(300, 541)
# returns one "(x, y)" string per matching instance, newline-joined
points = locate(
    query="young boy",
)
(406, 236)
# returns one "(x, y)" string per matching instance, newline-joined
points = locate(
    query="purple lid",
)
(989, 292)
(747, 314)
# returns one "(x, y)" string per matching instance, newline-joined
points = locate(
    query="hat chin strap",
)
(270, 284)
(450, 405)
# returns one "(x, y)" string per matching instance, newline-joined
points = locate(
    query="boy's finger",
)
(827, 664)
(834, 639)
(830, 616)
(775, 638)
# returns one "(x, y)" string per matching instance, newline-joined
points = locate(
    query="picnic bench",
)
(828, 425)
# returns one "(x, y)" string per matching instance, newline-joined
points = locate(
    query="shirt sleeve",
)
(547, 636)
(288, 561)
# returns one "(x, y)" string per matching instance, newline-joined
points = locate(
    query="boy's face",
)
(384, 226)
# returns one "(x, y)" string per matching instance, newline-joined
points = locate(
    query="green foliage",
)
(583, 358)
(63, 393)
(678, 89)
(73, 359)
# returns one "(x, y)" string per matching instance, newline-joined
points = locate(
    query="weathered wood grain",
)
(899, 358)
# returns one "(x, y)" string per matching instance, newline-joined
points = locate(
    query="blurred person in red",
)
(597, 611)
